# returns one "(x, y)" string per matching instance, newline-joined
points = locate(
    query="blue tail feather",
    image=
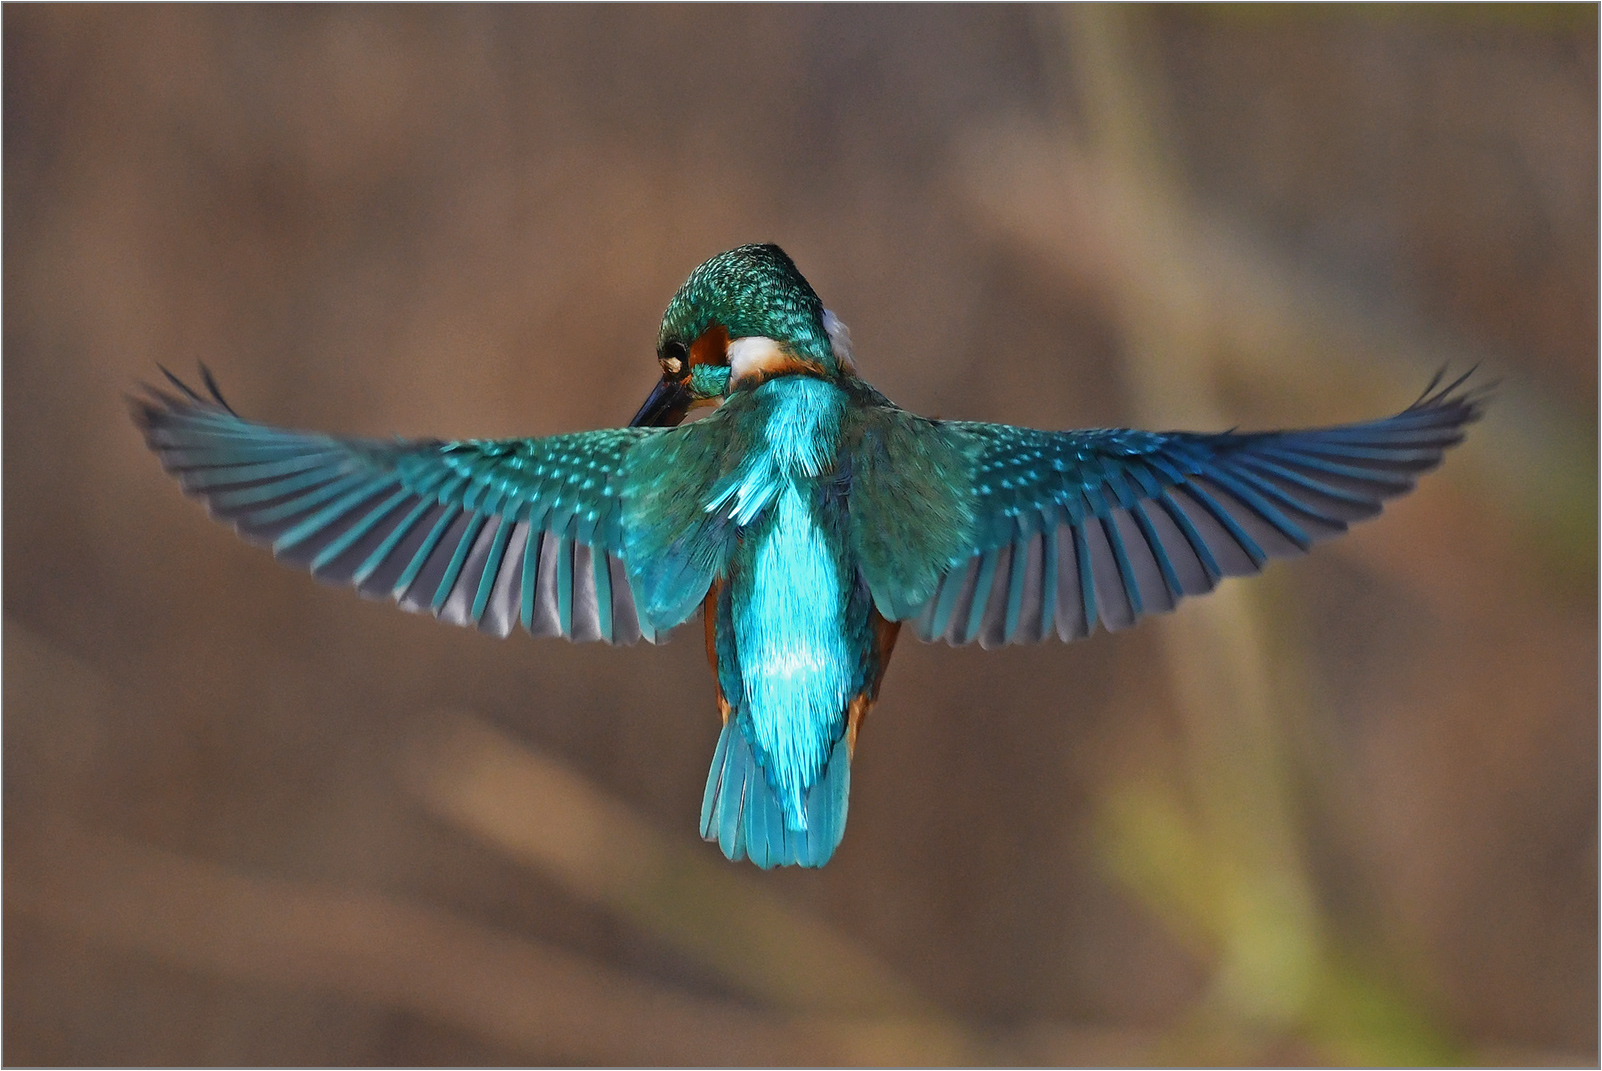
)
(743, 814)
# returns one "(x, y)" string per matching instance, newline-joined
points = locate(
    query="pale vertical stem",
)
(1265, 923)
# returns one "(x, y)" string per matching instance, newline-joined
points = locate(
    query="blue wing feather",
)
(456, 529)
(1132, 521)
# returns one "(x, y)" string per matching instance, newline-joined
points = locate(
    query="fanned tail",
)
(742, 813)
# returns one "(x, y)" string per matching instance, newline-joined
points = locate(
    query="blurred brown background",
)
(1343, 813)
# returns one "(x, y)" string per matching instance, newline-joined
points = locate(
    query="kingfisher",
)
(806, 517)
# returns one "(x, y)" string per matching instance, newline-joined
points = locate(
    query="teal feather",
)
(981, 596)
(319, 521)
(741, 811)
(355, 532)
(492, 568)
(1159, 553)
(564, 585)
(382, 552)
(530, 578)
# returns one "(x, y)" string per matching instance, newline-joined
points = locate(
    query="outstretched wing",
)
(479, 533)
(1071, 528)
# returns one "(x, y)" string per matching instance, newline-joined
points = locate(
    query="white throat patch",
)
(754, 355)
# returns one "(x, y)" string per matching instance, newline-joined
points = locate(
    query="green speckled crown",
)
(752, 290)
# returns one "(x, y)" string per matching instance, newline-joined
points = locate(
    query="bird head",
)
(740, 319)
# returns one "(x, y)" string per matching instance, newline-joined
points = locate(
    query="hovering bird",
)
(807, 517)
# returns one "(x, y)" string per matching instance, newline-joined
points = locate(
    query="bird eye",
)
(674, 357)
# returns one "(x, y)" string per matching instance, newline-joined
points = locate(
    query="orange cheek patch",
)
(712, 347)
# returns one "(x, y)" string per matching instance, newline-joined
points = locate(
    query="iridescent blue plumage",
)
(807, 517)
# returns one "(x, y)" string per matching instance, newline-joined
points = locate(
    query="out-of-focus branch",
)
(1222, 860)
(503, 987)
(545, 815)
(515, 992)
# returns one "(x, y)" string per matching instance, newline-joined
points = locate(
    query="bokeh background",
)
(1343, 813)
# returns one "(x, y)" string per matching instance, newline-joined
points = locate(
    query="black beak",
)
(666, 406)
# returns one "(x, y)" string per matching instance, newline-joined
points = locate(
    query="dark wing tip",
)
(1470, 402)
(211, 385)
(153, 403)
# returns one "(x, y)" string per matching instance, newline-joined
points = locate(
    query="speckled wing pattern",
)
(1078, 527)
(487, 534)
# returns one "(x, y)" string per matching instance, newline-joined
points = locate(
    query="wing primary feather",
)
(547, 620)
(185, 453)
(216, 477)
(391, 541)
(1353, 506)
(981, 596)
(1316, 522)
(564, 586)
(1145, 581)
(266, 525)
(586, 600)
(1388, 433)
(923, 623)
(950, 588)
(408, 575)
(1255, 555)
(355, 532)
(959, 611)
(181, 385)
(1261, 506)
(1028, 580)
(1129, 579)
(603, 593)
(1076, 608)
(1069, 596)
(330, 513)
(1113, 605)
(216, 393)
(1390, 483)
(1087, 579)
(1198, 545)
(492, 568)
(453, 565)
(1018, 576)
(500, 612)
(478, 535)
(1048, 581)
(1159, 554)
(531, 575)
(993, 624)
(1192, 574)
(1428, 399)
(626, 627)
(228, 502)
(1405, 459)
